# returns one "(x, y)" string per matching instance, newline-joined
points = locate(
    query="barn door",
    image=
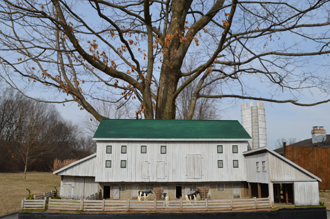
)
(145, 170)
(135, 189)
(160, 170)
(116, 192)
(190, 166)
(198, 166)
(194, 166)
(67, 190)
(236, 190)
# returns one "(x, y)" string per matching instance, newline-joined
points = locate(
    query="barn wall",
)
(281, 170)
(85, 168)
(261, 176)
(147, 167)
(306, 193)
(314, 159)
(230, 190)
(78, 187)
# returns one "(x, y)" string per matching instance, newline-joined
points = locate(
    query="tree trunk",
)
(25, 168)
(168, 82)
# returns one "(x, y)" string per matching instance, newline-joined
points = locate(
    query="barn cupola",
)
(319, 134)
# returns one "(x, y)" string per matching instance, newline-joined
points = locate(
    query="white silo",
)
(254, 122)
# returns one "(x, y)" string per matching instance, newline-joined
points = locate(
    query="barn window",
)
(221, 187)
(264, 166)
(123, 163)
(235, 163)
(235, 149)
(219, 149)
(220, 163)
(109, 149)
(143, 149)
(149, 187)
(108, 163)
(124, 149)
(257, 166)
(122, 187)
(163, 149)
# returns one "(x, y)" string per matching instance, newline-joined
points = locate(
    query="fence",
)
(50, 194)
(158, 206)
(34, 204)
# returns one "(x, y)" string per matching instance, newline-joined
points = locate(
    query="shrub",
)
(30, 197)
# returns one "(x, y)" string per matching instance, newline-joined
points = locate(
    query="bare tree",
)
(34, 126)
(280, 141)
(258, 50)
(110, 109)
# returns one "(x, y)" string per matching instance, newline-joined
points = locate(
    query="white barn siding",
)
(251, 169)
(306, 193)
(281, 170)
(84, 168)
(78, 187)
(139, 166)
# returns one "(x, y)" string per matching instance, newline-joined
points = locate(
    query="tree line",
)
(33, 134)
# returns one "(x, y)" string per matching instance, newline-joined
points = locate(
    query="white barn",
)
(180, 155)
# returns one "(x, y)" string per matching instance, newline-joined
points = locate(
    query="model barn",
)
(181, 155)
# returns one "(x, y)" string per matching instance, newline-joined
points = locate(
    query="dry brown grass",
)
(325, 197)
(13, 188)
(58, 164)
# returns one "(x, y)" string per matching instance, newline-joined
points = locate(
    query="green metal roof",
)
(170, 129)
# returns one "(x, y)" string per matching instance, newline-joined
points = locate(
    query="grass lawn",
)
(13, 188)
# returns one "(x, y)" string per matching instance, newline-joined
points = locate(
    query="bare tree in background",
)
(79, 50)
(33, 134)
(110, 109)
(35, 123)
(280, 141)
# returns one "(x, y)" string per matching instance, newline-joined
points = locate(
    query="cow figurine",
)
(144, 194)
(165, 197)
(192, 196)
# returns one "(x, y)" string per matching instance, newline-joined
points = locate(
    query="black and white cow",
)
(192, 196)
(165, 197)
(144, 194)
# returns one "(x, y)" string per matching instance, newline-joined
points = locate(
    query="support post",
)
(45, 199)
(81, 204)
(255, 202)
(206, 204)
(155, 205)
(181, 204)
(259, 190)
(250, 190)
(231, 204)
(128, 202)
(285, 186)
(23, 204)
(103, 205)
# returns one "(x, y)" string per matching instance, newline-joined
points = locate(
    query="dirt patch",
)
(325, 197)
(13, 188)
